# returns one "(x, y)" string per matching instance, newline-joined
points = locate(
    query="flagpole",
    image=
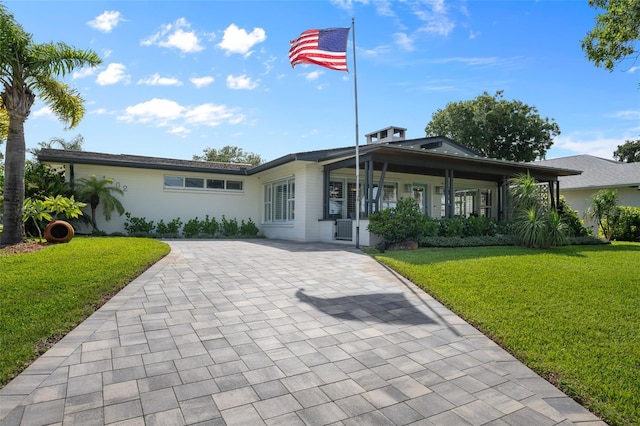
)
(355, 92)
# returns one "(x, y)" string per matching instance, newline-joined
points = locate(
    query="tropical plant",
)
(604, 210)
(28, 69)
(74, 144)
(50, 208)
(94, 190)
(535, 223)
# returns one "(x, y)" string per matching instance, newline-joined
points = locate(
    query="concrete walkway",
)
(278, 333)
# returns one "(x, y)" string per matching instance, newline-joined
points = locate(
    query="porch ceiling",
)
(424, 162)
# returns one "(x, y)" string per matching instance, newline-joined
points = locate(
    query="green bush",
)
(138, 226)
(398, 224)
(570, 217)
(229, 227)
(478, 241)
(209, 227)
(171, 229)
(249, 228)
(452, 227)
(628, 224)
(192, 228)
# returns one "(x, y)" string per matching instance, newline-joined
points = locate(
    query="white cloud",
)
(177, 35)
(115, 73)
(241, 82)
(180, 131)
(473, 61)
(591, 144)
(84, 72)
(168, 113)
(107, 21)
(237, 40)
(158, 111)
(43, 112)
(202, 81)
(404, 41)
(156, 80)
(313, 75)
(627, 115)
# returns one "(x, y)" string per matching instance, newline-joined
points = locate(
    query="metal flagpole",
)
(355, 91)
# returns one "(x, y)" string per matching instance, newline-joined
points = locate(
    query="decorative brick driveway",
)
(278, 333)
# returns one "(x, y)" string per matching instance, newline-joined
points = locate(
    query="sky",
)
(179, 77)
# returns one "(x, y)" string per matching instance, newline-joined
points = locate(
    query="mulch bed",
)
(27, 247)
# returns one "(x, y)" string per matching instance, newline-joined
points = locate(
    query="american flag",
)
(327, 48)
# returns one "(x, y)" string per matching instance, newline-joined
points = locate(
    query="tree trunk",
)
(17, 100)
(13, 226)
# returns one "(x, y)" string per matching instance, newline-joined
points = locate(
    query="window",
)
(174, 181)
(234, 185)
(279, 201)
(193, 182)
(215, 184)
(336, 199)
(186, 182)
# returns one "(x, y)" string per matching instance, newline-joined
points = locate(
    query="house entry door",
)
(420, 195)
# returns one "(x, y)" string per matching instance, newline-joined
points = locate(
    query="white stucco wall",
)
(145, 196)
(580, 200)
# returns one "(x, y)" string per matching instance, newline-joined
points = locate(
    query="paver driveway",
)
(278, 333)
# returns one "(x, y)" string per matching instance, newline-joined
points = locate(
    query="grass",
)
(45, 294)
(572, 314)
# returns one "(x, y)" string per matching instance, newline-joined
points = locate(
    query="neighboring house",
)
(310, 196)
(597, 173)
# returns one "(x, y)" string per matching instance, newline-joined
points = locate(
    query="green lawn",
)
(572, 313)
(45, 294)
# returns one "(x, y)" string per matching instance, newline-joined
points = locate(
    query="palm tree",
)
(26, 69)
(92, 191)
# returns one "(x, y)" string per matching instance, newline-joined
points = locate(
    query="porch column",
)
(449, 193)
(326, 177)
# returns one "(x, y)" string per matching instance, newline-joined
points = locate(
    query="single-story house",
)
(597, 173)
(311, 196)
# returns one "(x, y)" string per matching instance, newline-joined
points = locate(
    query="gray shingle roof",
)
(596, 172)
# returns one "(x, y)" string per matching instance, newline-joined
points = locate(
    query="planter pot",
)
(58, 231)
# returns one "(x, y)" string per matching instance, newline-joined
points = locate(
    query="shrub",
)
(498, 240)
(229, 227)
(249, 228)
(398, 224)
(570, 217)
(192, 228)
(171, 229)
(452, 227)
(628, 224)
(138, 226)
(209, 227)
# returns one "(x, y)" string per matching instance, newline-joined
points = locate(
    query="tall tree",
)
(229, 154)
(495, 127)
(615, 35)
(628, 152)
(26, 69)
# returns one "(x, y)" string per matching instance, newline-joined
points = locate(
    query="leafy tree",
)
(92, 191)
(229, 154)
(41, 180)
(615, 34)
(628, 152)
(604, 210)
(26, 69)
(495, 127)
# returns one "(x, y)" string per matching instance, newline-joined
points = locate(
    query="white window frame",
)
(205, 180)
(279, 209)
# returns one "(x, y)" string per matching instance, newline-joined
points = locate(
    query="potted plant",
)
(50, 209)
